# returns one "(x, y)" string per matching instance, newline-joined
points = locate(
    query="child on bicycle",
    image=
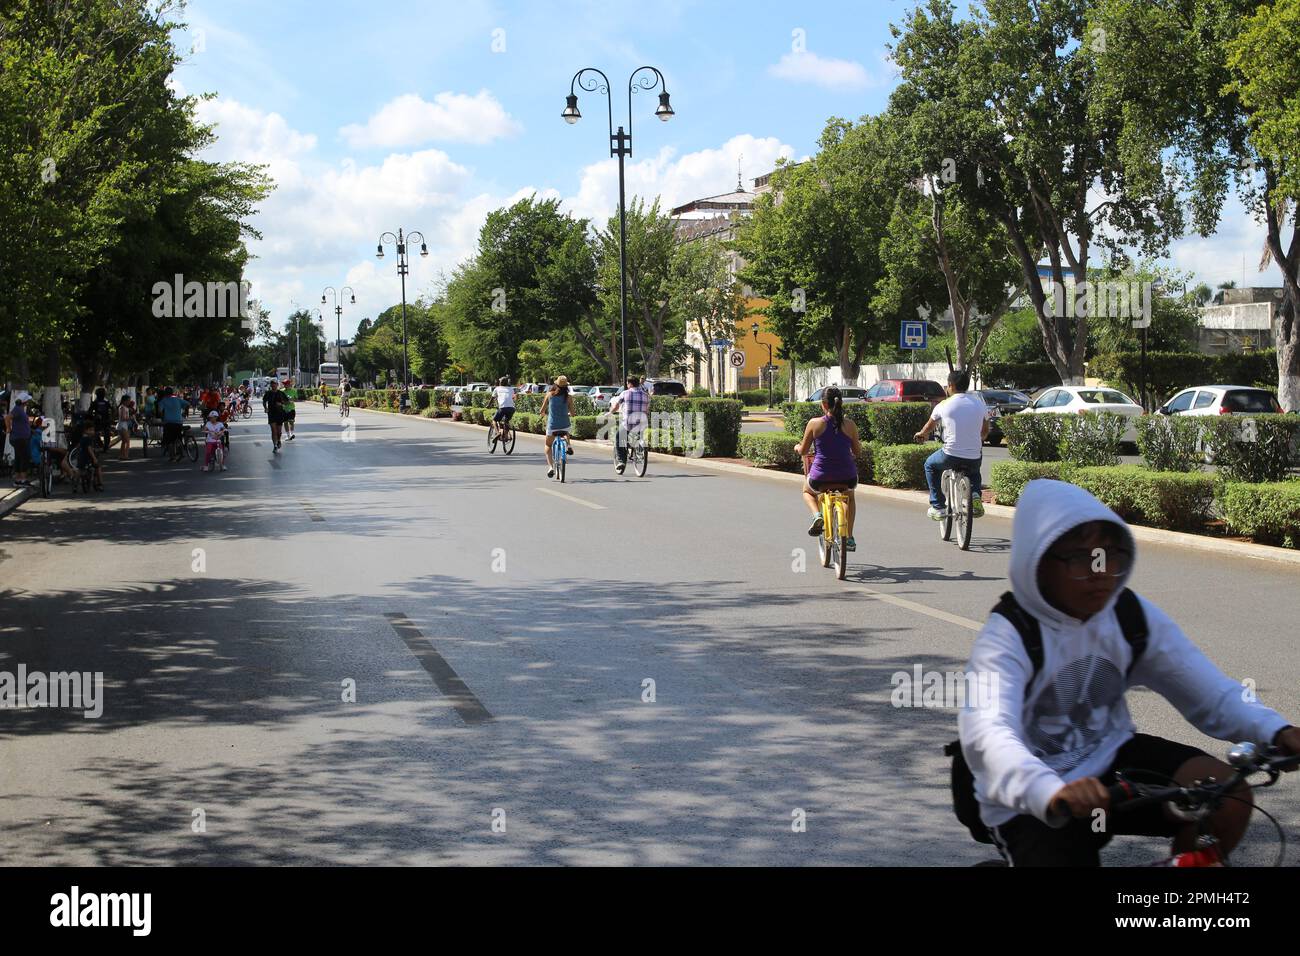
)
(1045, 750)
(82, 436)
(214, 431)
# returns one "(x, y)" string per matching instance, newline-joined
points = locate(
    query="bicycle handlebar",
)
(1126, 795)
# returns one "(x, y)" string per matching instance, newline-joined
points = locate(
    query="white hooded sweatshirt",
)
(1074, 719)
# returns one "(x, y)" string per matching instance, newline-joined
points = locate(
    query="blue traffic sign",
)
(912, 335)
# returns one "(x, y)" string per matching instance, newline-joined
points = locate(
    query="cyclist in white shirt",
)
(965, 426)
(505, 396)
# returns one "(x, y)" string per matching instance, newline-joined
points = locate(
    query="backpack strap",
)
(1133, 622)
(1031, 634)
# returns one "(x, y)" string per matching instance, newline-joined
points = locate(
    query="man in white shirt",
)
(505, 396)
(965, 426)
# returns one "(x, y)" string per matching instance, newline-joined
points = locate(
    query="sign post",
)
(913, 336)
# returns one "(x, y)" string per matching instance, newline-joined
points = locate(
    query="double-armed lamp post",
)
(400, 240)
(771, 368)
(338, 315)
(620, 145)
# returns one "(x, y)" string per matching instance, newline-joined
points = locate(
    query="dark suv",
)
(906, 390)
(665, 386)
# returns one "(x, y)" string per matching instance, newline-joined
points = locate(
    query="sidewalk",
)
(13, 497)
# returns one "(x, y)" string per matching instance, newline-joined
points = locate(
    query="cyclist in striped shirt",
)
(632, 404)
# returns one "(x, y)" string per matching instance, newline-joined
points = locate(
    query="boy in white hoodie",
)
(1044, 756)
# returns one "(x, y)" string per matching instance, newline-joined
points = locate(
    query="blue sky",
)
(428, 115)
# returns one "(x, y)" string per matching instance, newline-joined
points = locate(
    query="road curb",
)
(1177, 539)
(13, 498)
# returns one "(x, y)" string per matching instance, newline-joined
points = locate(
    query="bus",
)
(331, 373)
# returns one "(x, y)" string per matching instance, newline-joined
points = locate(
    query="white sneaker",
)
(937, 514)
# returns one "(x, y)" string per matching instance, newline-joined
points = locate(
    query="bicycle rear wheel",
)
(641, 461)
(47, 477)
(965, 517)
(824, 540)
(508, 443)
(560, 460)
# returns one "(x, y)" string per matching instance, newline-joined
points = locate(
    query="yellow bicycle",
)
(833, 542)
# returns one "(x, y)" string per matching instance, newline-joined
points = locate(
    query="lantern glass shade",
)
(665, 111)
(571, 114)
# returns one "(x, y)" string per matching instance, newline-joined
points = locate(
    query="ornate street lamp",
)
(400, 240)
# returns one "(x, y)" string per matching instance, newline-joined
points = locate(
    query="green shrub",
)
(721, 423)
(1170, 372)
(522, 421)
(584, 426)
(894, 423)
(1033, 437)
(769, 449)
(1269, 511)
(747, 397)
(901, 466)
(1162, 499)
(422, 397)
(1170, 442)
(1091, 439)
(662, 439)
(799, 414)
(1008, 478)
(699, 391)
(1252, 448)
(442, 400)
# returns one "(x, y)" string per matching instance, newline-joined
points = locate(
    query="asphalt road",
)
(499, 629)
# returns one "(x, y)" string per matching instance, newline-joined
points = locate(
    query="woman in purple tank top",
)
(833, 445)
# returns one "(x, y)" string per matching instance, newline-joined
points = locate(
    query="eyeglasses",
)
(1100, 562)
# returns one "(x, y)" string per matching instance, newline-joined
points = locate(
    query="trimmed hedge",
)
(896, 423)
(901, 466)
(1170, 442)
(1008, 478)
(532, 402)
(1034, 438)
(1252, 448)
(769, 449)
(1162, 499)
(799, 414)
(584, 426)
(1091, 439)
(1170, 372)
(1267, 511)
(422, 397)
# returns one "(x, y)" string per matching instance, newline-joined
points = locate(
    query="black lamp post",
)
(338, 316)
(620, 145)
(400, 240)
(754, 330)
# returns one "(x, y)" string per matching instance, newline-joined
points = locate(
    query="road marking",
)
(921, 609)
(576, 501)
(311, 510)
(469, 707)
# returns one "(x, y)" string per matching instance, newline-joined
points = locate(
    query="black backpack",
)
(1133, 624)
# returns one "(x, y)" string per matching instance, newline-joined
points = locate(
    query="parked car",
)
(665, 386)
(1066, 399)
(1002, 402)
(578, 389)
(850, 393)
(906, 390)
(1221, 400)
(601, 395)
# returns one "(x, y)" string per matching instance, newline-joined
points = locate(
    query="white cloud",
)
(821, 71)
(707, 172)
(410, 120)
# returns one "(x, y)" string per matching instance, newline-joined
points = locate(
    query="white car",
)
(1221, 400)
(1077, 399)
(602, 394)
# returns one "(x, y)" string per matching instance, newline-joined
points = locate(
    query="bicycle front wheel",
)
(191, 448)
(492, 439)
(47, 478)
(965, 516)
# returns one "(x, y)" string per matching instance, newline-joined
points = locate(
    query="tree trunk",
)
(52, 401)
(794, 367)
(849, 364)
(1288, 354)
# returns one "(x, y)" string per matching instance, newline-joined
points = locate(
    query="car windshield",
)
(1103, 396)
(1254, 400)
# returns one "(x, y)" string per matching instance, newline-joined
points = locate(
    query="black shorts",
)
(1027, 841)
(291, 415)
(822, 484)
(504, 414)
(22, 453)
(172, 431)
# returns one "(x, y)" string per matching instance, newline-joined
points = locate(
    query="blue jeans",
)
(938, 463)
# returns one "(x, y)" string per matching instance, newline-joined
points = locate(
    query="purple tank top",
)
(833, 460)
